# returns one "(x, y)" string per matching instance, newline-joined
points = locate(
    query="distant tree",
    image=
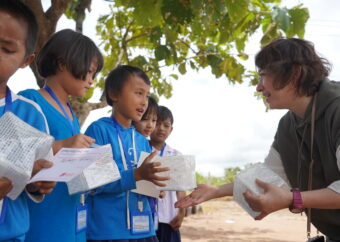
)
(230, 173)
(181, 34)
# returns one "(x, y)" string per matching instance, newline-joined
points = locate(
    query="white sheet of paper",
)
(145, 187)
(20, 145)
(67, 164)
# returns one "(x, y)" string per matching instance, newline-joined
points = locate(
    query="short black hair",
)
(19, 10)
(165, 113)
(73, 50)
(152, 107)
(281, 56)
(120, 75)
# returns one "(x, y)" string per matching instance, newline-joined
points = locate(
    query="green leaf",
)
(162, 52)
(182, 68)
(237, 9)
(155, 34)
(174, 76)
(176, 11)
(281, 17)
(299, 17)
(214, 60)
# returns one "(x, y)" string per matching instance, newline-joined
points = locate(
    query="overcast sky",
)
(223, 125)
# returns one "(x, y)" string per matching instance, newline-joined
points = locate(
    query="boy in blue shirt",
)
(18, 36)
(116, 213)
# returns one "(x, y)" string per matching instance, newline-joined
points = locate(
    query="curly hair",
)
(282, 56)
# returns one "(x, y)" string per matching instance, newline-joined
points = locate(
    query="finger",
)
(44, 163)
(261, 184)
(46, 191)
(157, 183)
(89, 141)
(45, 187)
(151, 156)
(261, 216)
(185, 202)
(158, 170)
(252, 200)
(160, 178)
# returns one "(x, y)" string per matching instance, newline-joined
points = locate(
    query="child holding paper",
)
(18, 37)
(115, 213)
(68, 61)
(170, 218)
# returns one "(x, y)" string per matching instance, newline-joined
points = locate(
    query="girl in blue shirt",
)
(68, 62)
(115, 213)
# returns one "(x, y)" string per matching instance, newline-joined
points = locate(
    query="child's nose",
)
(259, 87)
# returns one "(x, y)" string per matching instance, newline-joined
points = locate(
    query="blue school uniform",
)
(16, 220)
(54, 219)
(107, 215)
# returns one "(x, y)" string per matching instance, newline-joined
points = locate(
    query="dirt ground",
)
(226, 221)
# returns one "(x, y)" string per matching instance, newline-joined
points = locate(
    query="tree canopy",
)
(178, 34)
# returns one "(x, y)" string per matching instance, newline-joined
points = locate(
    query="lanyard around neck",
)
(124, 150)
(52, 94)
(8, 100)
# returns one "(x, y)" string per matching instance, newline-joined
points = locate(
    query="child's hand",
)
(44, 187)
(176, 222)
(147, 171)
(77, 141)
(5, 187)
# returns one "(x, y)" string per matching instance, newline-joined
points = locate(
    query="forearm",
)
(322, 199)
(180, 195)
(224, 190)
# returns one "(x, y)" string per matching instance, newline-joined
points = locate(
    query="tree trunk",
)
(83, 109)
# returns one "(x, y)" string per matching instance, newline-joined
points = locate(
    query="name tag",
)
(155, 221)
(2, 209)
(140, 222)
(81, 218)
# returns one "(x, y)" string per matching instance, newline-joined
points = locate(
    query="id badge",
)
(3, 209)
(155, 221)
(81, 221)
(140, 222)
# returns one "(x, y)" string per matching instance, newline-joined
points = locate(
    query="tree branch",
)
(80, 13)
(83, 109)
(123, 45)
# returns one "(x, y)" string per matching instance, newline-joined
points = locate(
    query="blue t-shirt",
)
(54, 219)
(107, 219)
(16, 222)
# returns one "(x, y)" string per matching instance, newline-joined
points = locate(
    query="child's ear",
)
(113, 97)
(27, 61)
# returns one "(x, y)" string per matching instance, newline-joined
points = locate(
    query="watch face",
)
(296, 210)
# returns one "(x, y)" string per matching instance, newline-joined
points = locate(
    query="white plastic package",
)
(103, 171)
(182, 175)
(246, 180)
(182, 172)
